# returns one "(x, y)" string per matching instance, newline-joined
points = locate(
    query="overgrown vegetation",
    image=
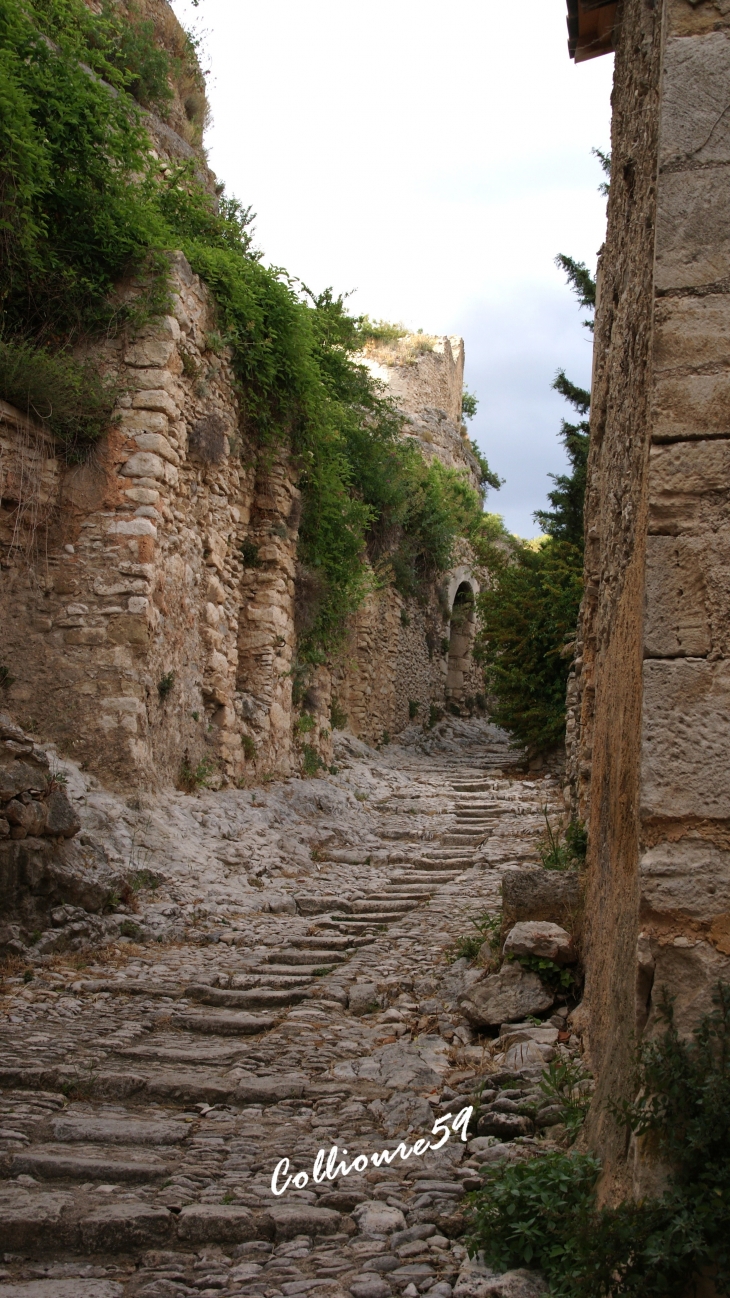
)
(563, 850)
(529, 612)
(85, 207)
(469, 946)
(543, 1214)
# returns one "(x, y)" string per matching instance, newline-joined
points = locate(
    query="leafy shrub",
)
(543, 1213)
(69, 398)
(563, 1083)
(191, 778)
(469, 403)
(304, 723)
(413, 706)
(249, 747)
(435, 714)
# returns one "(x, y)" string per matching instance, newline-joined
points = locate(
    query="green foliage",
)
(527, 614)
(581, 281)
(605, 161)
(563, 851)
(487, 930)
(312, 763)
(487, 478)
(548, 971)
(384, 739)
(338, 717)
(69, 398)
(191, 778)
(543, 1213)
(435, 714)
(469, 403)
(563, 1084)
(249, 747)
(522, 1216)
(165, 685)
(304, 723)
(564, 521)
(87, 213)
(413, 706)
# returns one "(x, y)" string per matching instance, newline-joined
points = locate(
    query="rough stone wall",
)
(649, 699)
(401, 652)
(125, 598)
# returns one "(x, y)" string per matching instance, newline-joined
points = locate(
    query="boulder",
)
(541, 938)
(61, 818)
(507, 996)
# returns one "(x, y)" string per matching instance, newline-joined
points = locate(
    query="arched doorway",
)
(460, 640)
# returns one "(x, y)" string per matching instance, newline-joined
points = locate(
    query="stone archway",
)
(462, 591)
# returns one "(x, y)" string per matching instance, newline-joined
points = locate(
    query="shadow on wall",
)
(463, 626)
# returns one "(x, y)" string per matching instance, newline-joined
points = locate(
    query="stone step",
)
(97, 1129)
(262, 997)
(51, 1165)
(225, 1025)
(307, 971)
(465, 840)
(343, 944)
(291, 956)
(381, 916)
(376, 904)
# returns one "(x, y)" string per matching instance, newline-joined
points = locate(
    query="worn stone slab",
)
(27, 1221)
(686, 738)
(118, 1131)
(552, 895)
(269, 1090)
(540, 938)
(690, 332)
(689, 878)
(676, 621)
(47, 1165)
(206, 1223)
(693, 228)
(122, 1227)
(301, 1219)
(508, 995)
(690, 971)
(695, 125)
(74, 1288)
(241, 999)
(689, 406)
(243, 1025)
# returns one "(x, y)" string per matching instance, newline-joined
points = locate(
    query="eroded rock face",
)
(505, 997)
(539, 938)
(537, 894)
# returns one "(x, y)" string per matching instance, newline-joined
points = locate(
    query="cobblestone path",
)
(149, 1090)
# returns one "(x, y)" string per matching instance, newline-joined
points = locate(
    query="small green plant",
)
(566, 851)
(311, 761)
(195, 716)
(562, 1083)
(445, 644)
(128, 928)
(28, 976)
(487, 930)
(249, 747)
(215, 342)
(552, 974)
(385, 738)
(333, 770)
(165, 685)
(325, 969)
(435, 714)
(404, 618)
(192, 777)
(6, 680)
(249, 552)
(469, 404)
(413, 706)
(304, 723)
(144, 879)
(361, 797)
(228, 1197)
(338, 717)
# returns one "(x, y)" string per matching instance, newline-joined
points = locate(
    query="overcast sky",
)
(432, 158)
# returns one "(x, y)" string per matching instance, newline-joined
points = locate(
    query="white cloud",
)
(434, 159)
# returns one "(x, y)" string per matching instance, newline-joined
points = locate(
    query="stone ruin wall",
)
(649, 714)
(169, 559)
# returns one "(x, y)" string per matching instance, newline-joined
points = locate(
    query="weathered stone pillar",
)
(655, 667)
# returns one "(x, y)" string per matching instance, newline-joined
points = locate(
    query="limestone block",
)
(133, 422)
(693, 405)
(171, 475)
(541, 938)
(142, 495)
(143, 465)
(693, 228)
(686, 738)
(128, 629)
(691, 331)
(676, 623)
(689, 878)
(154, 379)
(506, 997)
(680, 476)
(149, 352)
(132, 527)
(158, 444)
(695, 124)
(155, 399)
(689, 972)
(89, 635)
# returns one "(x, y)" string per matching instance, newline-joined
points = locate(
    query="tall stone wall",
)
(650, 723)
